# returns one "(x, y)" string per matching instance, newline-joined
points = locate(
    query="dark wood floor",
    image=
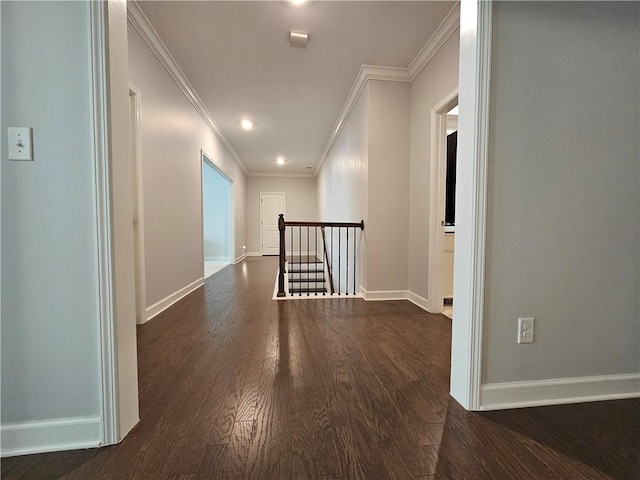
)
(236, 385)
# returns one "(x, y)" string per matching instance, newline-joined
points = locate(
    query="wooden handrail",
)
(359, 225)
(326, 259)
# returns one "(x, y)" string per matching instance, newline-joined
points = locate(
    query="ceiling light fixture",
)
(280, 161)
(246, 124)
(297, 2)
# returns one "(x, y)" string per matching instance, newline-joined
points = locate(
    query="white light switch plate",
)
(20, 143)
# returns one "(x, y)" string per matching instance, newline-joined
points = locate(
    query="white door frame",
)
(284, 208)
(208, 159)
(109, 407)
(471, 202)
(135, 100)
(437, 188)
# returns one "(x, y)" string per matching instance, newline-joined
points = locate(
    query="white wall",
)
(388, 225)
(172, 137)
(215, 205)
(366, 177)
(343, 180)
(300, 203)
(563, 186)
(437, 79)
(50, 354)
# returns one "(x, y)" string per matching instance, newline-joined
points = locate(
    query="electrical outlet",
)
(525, 330)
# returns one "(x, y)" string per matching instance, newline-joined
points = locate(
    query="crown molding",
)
(367, 72)
(389, 74)
(395, 74)
(141, 23)
(446, 28)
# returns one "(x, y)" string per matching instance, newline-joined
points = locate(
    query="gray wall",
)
(366, 176)
(300, 203)
(49, 316)
(172, 137)
(563, 205)
(343, 180)
(388, 226)
(215, 207)
(436, 80)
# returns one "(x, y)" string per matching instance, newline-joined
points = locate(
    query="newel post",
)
(281, 227)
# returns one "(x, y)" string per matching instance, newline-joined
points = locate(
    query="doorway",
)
(271, 205)
(217, 231)
(444, 126)
(450, 159)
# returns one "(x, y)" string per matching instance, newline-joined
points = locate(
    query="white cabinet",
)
(447, 266)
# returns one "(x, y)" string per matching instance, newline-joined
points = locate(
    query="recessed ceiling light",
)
(280, 160)
(246, 124)
(297, 2)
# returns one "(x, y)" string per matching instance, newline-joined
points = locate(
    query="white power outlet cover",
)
(525, 330)
(20, 143)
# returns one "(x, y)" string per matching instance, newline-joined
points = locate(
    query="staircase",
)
(309, 250)
(306, 278)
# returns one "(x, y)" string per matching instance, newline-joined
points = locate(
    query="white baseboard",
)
(166, 302)
(240, 258)
(416, 299)
(25, 438)
(498, 396)
(382, 295)
(253, 254)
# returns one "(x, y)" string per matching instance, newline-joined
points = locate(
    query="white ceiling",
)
(236, 54)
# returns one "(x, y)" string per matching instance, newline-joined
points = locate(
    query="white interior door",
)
(271, 205)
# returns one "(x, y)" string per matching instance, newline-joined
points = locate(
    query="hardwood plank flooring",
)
(234, 385)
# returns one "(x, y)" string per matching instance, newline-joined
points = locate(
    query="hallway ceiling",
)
(237, 56)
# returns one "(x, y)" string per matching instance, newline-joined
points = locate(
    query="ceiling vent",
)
(299, 39)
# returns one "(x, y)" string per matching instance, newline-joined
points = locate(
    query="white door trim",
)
(206, 158)
(109, 411)
(284, 208)
(138, 205)
(437, 181)
(471, 201)
(232, 221)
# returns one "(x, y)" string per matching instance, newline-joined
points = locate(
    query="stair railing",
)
(338, 254)
(281, 228)
(327, 261)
